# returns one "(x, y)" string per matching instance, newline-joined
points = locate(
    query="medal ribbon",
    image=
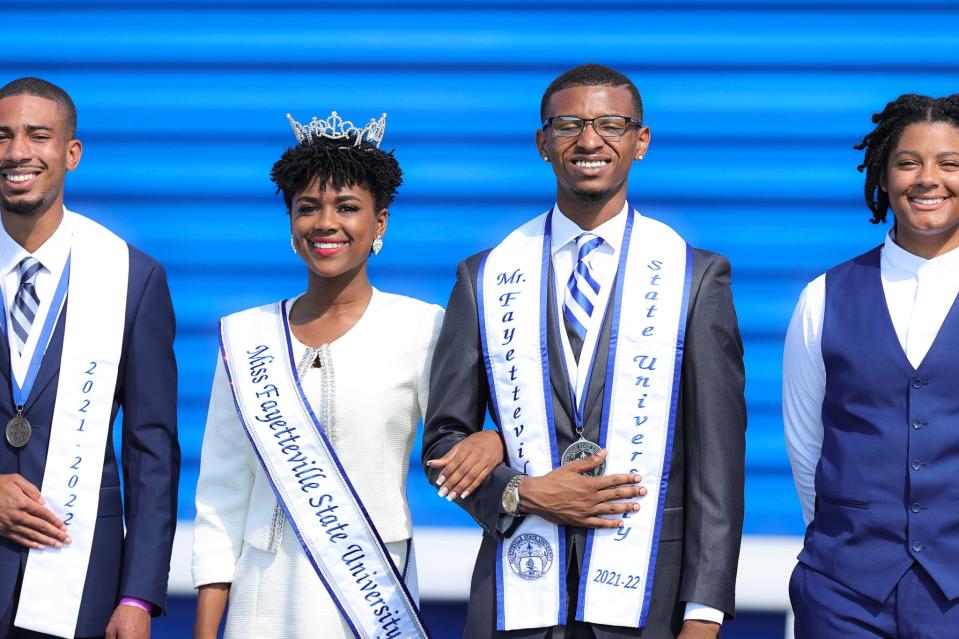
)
(22, 393)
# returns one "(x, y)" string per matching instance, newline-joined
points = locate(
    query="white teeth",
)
(927, 201)
(18, 179)
(591, 165)
(328, 245)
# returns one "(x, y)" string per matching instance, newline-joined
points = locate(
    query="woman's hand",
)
(210, 604)
(468, 463)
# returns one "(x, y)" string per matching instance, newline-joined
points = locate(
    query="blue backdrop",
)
(753, 105)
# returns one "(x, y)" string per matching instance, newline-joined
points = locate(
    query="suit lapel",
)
(593, 406)
(50, 364)
(5, 371)
(554, 349)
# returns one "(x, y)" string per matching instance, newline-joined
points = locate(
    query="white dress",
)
(381, 375)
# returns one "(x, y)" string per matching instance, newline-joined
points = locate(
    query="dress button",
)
(916, 383)
(916, 464)
(916, 546)
(916, 423)
(915, 507)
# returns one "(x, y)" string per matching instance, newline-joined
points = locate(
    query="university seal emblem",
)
(530, 556)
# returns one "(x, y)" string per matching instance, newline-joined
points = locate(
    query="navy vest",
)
(887, 483)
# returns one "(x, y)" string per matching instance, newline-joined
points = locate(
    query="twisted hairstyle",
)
(905, 110)
(592, 75)
(338, 162)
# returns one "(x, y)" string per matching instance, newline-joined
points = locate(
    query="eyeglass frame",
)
(547, 123)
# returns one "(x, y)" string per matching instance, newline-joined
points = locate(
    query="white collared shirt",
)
(52, 254)
(603, 263)
(919, 294)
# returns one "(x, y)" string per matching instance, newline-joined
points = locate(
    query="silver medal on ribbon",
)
(581, 449)
(18, 431)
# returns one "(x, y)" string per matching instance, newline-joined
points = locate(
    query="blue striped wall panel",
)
(754, 106)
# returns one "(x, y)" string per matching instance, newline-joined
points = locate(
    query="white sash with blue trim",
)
(639, 410)
(321, 504)
(98, 270)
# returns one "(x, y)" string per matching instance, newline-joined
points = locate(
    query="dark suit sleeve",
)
(714, 422)
(150, 452)
(459, 394)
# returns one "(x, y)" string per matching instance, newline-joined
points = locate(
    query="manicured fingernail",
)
(441, 480)
(442, 492)
(465, 494)
(429, 462)
(451, 497)
(635, 507)
(68, 540)
(642, 491)
(637, 478)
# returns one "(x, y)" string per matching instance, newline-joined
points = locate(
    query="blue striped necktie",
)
(582, 293)
(26, 303)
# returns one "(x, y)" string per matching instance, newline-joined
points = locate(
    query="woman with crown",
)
(302, 521)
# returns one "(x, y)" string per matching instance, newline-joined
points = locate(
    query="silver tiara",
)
(336, 128)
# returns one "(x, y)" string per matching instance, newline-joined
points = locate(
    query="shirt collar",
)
(903, 259)
(565, 230)
(52, 254)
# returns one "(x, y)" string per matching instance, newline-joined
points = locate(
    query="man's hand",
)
(23, 517)
(468, 463)
(129, 622)
(696, 629)
(565, 496)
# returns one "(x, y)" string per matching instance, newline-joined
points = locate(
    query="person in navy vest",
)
(870, 402)
(88, 328)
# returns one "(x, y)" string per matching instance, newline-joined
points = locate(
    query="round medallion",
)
(581, 449)
(18, 431)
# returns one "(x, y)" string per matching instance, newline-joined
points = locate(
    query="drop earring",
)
(377, 245)
(293, 245)
(545, 158)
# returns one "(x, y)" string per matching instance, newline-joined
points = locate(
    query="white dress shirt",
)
(52, 254)
(603, 263)
(919, 294)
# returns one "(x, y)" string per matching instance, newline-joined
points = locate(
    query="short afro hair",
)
(341, 163)
(39, 88)
(592, 75)
(905, 110)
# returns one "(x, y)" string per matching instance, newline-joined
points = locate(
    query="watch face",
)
(508, 502)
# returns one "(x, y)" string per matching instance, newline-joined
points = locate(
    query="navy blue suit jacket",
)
(138, 565)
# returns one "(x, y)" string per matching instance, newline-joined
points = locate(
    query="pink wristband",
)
(138, 603)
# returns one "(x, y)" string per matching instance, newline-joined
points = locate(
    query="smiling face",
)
(589, 166)
(334, 230)
(922, 182)
(36, 152)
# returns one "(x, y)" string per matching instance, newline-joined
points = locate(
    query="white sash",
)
(93, 335)
(642, 378)
(321, 504)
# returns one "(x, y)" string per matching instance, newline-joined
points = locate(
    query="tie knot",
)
(586, 244)
(29, 267)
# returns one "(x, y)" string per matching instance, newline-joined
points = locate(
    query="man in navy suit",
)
(126, 579)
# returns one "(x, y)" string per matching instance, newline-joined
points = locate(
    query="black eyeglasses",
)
(608, 126)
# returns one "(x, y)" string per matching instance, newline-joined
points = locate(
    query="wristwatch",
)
(511, 495)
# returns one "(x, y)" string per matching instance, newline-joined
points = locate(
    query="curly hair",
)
(340, 163)
(905, 110)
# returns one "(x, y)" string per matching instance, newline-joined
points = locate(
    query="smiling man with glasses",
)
(609, 355)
